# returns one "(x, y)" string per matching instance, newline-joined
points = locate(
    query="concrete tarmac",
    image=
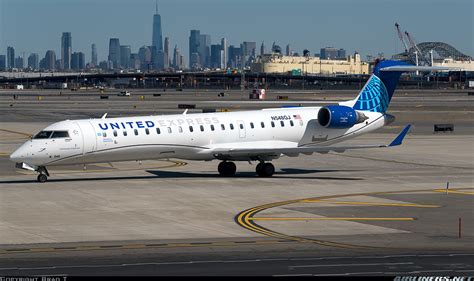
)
(387, 207)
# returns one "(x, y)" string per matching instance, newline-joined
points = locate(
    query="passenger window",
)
(115, 133)
(43, 135)
(202, 128)
(158, 131)
(136, 132)
(104, 134)
(262, 124)
(169, 130)
(231, 126)
(273, 124)
(282, 123)
(241, 126)
(251, 125)
(212, 127)
(60, 134)
(191, 129)
(124, 133)
(147, 131)
(291, 123)
(180, 129)
(223, 127)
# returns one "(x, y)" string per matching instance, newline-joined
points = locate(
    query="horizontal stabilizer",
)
(399, 139)
(412, 68)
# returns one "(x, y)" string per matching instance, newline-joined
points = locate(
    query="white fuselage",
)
(184, 136)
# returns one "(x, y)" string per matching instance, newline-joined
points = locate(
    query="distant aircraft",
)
(259, 135)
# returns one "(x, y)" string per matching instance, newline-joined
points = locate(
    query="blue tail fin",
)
(378, 91)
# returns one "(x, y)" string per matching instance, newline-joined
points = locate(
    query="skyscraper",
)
(176, 57)
(33, 61)
(19, 62)
(205, 50)
(216, 56)
(125, 51)
(341, 54)
(262, 49)
(3, 62)
(78, 61)
(166, 53)
(157, 40)
(10, 57)
(288, 50)
(248, 52)
(224, 54)
(66, 50)
(194, 60)
(93, 55)
(114, 52)
(144, 54)
(328, 53)
(50, 60)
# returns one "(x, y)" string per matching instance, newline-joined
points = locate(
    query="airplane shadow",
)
(286, 173)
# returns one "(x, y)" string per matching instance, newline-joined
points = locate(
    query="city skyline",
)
(84, 37)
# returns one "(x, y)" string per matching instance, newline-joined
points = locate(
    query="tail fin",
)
(378, 91)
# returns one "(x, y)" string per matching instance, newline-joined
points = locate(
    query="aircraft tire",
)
(266, 170)
(227, 169)
(42, 178)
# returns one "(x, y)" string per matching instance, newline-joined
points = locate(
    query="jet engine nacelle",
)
(339, 117)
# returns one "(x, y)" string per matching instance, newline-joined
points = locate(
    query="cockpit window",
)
(60, 134)
(43, 135)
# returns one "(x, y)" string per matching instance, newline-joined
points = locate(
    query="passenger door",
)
(89, 139)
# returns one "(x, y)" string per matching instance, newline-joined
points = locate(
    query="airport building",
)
(277, 63)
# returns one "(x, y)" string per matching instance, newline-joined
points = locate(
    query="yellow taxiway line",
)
(455, 191)
(373, 203)
(331, 219)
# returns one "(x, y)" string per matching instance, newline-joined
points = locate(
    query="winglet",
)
(399, 139)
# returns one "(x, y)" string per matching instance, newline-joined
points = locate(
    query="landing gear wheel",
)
(42, 178)
(258, 169)
(265, 169)
(227, 169)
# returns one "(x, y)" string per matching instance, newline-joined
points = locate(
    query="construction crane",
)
(412, 43)
(419, 55)
(400, 35)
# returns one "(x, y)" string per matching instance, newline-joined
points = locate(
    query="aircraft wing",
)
(233, 153)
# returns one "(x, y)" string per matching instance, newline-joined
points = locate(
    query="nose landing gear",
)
(43, 174)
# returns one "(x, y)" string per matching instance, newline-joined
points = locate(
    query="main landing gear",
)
(43, 174)
(228, 169)
(265, 169)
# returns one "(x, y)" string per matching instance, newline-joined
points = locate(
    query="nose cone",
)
(18, 155)
(15, 156)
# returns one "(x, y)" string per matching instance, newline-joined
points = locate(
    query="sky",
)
(365, 26)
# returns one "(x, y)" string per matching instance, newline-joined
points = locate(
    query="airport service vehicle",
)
(124, 94)
(258, 135)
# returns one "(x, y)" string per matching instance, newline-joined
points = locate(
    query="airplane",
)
(258, 135)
